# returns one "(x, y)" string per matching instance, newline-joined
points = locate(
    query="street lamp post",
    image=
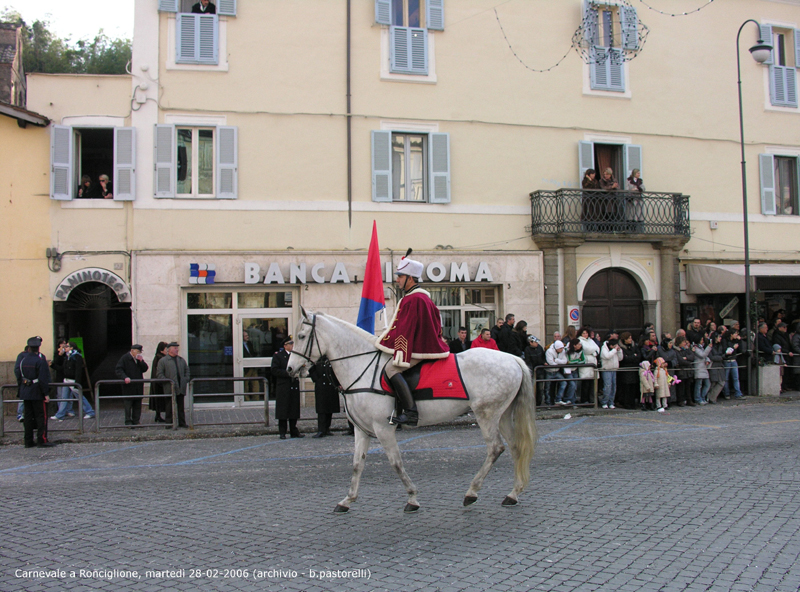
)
(760, 53)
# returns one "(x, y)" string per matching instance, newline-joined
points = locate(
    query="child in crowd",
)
(647, 385)
(662, 384)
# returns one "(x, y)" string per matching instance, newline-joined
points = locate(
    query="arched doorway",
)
(93, 314)
(613, 300)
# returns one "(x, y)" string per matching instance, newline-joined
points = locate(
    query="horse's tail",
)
(519, 420)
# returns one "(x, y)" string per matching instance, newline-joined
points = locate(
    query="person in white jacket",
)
(590, 352)
(556, 357)
(610, 356)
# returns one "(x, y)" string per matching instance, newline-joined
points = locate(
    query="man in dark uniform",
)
(132, 366)
(460, 343)
(204, 7)
(33, 378)
(326, 395)
(287, 392)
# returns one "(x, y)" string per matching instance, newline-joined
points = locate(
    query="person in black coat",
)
(326, 395)
(505, 337)
(132, 366)
(287, 392)
(780, 337)
(460, 343)
(158, 404)
(33, 379)
(204, 7)
(628, 391)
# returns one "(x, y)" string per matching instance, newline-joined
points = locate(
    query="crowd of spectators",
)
(697, 366)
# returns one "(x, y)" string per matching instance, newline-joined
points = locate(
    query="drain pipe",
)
(349, 133)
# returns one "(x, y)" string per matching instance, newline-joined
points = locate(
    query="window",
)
(410, 167)
(409, 22)
(197, 35)
(609, 31)
(783, 62)
(621, 158)
(473, 308)
(196, 162)
(779, 177)
(76, 152)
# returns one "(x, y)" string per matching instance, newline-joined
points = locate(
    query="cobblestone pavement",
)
(693, 499)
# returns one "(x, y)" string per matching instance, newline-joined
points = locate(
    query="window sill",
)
(92, 204)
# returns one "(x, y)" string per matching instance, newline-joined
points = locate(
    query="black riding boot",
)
(403, 394)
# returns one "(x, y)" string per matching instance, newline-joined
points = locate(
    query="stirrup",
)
(409, 417)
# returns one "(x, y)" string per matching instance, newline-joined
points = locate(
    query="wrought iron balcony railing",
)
(581, 212)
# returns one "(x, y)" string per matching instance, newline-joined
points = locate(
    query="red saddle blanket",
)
(437, 379)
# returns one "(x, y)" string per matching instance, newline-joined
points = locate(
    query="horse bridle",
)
(309, 350)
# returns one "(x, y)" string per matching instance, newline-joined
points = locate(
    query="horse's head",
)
(307, 346)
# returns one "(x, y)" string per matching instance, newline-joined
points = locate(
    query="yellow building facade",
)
(260, 143)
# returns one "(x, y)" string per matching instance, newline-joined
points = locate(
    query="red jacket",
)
(415, 331)
(481, 342)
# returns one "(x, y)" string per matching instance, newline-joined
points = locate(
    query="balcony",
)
(609, 215)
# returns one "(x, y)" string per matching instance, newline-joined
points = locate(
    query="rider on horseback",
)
(414, 335)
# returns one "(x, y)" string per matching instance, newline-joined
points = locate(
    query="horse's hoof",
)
(410, 508)
(340, 509)
(470, 499)
(509, 501)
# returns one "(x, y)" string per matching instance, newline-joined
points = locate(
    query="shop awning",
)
(729, 279)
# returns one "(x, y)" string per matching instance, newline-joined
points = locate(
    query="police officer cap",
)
(34, 342)
(137, 346)
(288, 340)
(173, 344)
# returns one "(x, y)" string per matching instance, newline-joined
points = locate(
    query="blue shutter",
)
(607, 69)
(633, 159)
(62, 178)
(629, 25)
(439, 168)
(164, 159)
(616, 70)
(124, 187)
(591, 33)
(227, 162)
(783, 86)
(207, 38)
(434, 15)
(186, 38)
(383, 12)
(766, 165)
(168, 5)
(791, 86)
(585, 158)
(226, 7)
(381, 166)
(766, 37)
(796, 35)
(409, 50)
(599, 68)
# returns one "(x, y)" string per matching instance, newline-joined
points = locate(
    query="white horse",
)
(499, 386)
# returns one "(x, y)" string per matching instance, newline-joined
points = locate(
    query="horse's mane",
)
(358, 331)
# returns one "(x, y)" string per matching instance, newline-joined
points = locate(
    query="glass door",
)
(259, 338)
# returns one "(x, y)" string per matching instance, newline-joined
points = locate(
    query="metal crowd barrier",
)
(547, 381)
(99, 383)
(56, 400)
(190, 395)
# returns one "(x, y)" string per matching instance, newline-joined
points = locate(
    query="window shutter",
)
(383, 12)
(766, 37)
(633, 159)
(783, 86)
(591, 18)
(766, 165)
(796, 36)
(434, 14)
(599, 68)
(629, 25)
(439, 169)
(165, 161)
(585, 158)
(381, 166)
(790, 78)
(61, 175)
(124, 187)
(227, 162)
(616, 72)
(168, 5)
(226, 7)
(409, 50)
(207, 35)
(186, 38)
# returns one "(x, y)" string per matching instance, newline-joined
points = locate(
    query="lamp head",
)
(761, 51)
